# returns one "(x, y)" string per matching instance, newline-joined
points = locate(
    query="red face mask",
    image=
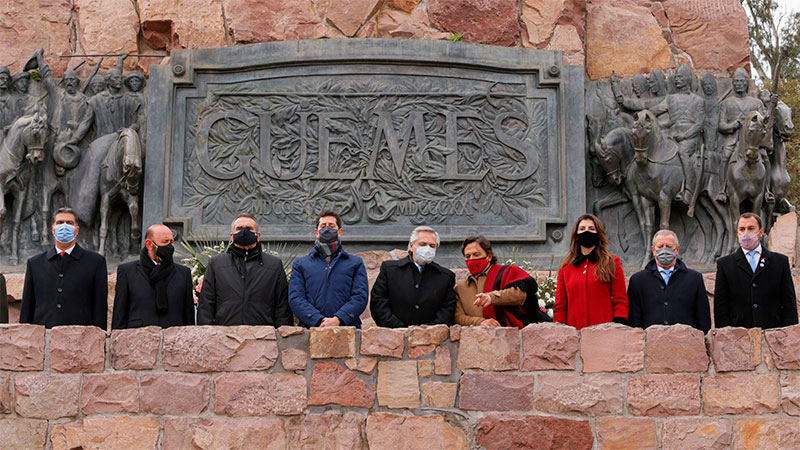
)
(476, 266)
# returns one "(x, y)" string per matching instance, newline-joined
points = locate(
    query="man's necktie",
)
(667, 274)
(751, 258)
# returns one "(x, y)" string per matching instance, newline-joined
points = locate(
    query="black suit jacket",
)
(764, 299)
(72, 290)
(135, 299)
(403, 296)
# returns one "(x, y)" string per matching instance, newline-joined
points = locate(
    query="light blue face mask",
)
(65, 233)
(425, 255)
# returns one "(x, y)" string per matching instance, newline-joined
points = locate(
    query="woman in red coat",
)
(591, 284)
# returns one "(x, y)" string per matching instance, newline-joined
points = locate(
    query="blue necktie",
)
(751, 258)
(667, 274)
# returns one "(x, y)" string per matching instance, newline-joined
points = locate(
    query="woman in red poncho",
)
(494, 295)
(591, 284)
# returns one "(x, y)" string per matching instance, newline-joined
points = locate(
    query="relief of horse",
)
(782, 131)
(120, 175)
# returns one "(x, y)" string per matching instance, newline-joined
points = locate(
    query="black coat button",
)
(61, 275)
(59, 290)
(58, 306)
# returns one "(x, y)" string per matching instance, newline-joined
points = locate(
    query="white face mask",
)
(425, 255)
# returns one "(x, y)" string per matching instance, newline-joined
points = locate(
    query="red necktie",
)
(61, 253)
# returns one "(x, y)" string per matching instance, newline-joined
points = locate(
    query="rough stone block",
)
(757, 433)
(696, 433)
(349, 15)
(191, 23)
(507, 432)
(549, 346)
(22, 434)
(439, 395)
(424, 339)
(294, 359)
(675, 348)
(221, 433)
(217, 349)
(664, 395)
(110, 393)
(175, 393)
(783, 236)
(790, 393)
(746, 393)
(21, 347)
(6, 403)
(626, 432)
(259, 394)
(455, 333)
(77, 349)
(333, 342)
(488, 348)
(496, 392)
(783, 345)
(387, 431)
(99, 433)
(135, 348)
(45, 396)
(286, 331)
(571, 393)
(377, 341)
(339, 431)
(611, 347)
(363, 365)
(493, 22)
(425, 368)
(443, 365)
(398, 384)
(735, 348)
(332, 383)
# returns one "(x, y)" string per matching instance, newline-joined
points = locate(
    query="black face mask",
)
(328, 235)
(164, 252)
(587, 239)
(245, 237)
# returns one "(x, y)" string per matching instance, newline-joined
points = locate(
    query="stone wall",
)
(629, 36)
(547, 386)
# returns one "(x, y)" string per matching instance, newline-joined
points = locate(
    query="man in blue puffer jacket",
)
(329, 287)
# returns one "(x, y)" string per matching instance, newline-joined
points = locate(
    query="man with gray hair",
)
(667, 292)
(414, 290)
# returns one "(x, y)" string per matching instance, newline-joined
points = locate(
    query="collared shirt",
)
(666, 273)
(756, 256)
(419, 267)
(67, 251)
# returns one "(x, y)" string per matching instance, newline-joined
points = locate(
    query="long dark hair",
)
(606, 268)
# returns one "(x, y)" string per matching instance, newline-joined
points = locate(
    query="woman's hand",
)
(483, 300)
(490, 323)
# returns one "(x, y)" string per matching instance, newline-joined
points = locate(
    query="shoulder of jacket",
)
(127, 266)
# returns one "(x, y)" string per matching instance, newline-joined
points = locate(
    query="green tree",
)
(774, 41)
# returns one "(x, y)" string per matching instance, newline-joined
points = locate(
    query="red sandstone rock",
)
(539, 19)
(783, 236)
(333, 342)
(332, 383)
(714, 34)
(21, 347)
(696, 433)
(455, 333)
(135, 348)
(425, 368)
(6, 404)
(424, 339)
(276, 20)
(339, 431)
(377, 341)
(77, 349)
(220, 433)
(496, 392)
(664, 395)
(175, 393)
(100, 433)
(45, 396)
(259, 394)
(612, 347)
(735, 348)
(549, 346)
(24, 28)
(507, 432)
(405, 5)
(783, 346)
(439, 395)
(398, 384)
(97, 19)
(626, 433)
(489, 348)
(443, 364)
(493, 22)
(23, 434)
(110, 393)
(676, 348)
(625, 38)
(349, 15)
(756, 433)
(286, 331)
(748, 393)
(571, 393)
(216, 349)
(169, 24)
(363, 365)
(566, 39)
(790, 393)
(396, 432)
(294, 359)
